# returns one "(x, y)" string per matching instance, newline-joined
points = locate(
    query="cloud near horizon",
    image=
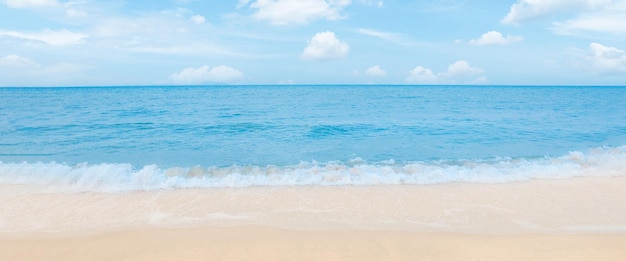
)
(375, 71)
(16, 61)
(460, 72)
(325, 46)
(607, 60)
(205, 74)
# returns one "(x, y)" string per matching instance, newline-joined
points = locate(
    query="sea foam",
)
(121, 177)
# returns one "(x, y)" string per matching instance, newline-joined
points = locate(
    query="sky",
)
(197, 42)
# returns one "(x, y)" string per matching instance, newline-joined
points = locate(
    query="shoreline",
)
(574, 205)
(570, 219)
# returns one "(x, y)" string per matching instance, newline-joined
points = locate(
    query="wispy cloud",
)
(611, 22)
(51, 37)
(587, 17)
(30, 3)
(395, 38)
(528, 10)
(16, 61)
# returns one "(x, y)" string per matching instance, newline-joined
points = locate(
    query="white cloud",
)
(375, 71)
(51, 37)
(166, 32)
(285, 12)
(16, 61)
(325, 46)
(527, 10)
(494, 37)
(421, 75)
(458, 72)
(590, 16)
(461, 68)
(30, 3)
(198, 19)
(602, 22)
(205, 74)
(605, 59)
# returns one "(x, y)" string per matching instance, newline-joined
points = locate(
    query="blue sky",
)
(117, 42)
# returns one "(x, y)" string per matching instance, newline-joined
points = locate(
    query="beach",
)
(548, 219)
(312, 130)
(262, 243)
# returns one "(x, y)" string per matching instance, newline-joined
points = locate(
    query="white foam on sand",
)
(592, 204)
(114, 177)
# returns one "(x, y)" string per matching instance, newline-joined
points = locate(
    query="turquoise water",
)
(207, 136)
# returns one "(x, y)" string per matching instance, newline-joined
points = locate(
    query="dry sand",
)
(262, 243)
(570, 219)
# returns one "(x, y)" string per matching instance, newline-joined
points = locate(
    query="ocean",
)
(116, 139)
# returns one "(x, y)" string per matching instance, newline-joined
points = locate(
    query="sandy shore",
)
(570, 219)
(262, 243)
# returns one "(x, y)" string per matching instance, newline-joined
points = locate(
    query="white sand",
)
(261, 243)
(570, 219)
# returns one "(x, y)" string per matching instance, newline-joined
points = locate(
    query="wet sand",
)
(569, 219)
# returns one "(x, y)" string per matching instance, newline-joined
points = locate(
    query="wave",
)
(115, 177)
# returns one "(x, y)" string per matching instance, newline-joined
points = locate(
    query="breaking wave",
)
(121, 177)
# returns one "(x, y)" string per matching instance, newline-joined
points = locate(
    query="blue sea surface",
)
(261, 131)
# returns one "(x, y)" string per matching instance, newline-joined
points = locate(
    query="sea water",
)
(167, 137)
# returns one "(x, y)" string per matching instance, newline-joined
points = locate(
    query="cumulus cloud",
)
(494, 37)
(205, 74)
(16, 61)
(375, 71)
(527, 10)
(51, 37)
(458, 72)
(421, 75)
(30, 3)
(325, 46)
(461, 68)
(286, 12)
(606, 59)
